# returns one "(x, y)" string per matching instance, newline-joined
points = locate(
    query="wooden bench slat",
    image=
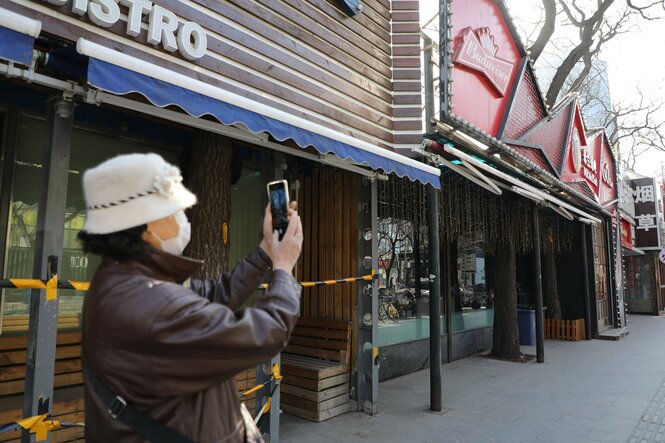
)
(317, 416)
(18, 357)
(309, 362)
(314, 352)
(315, 406)
(18, 372)
(15, 387)
(335, 345)
(323, 323)
(314, 395)
(21, 342)
(320, 333)
(316, 385)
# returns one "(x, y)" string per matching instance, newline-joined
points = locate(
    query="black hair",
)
(127, 245)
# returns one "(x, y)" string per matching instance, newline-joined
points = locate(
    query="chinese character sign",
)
(645, 195)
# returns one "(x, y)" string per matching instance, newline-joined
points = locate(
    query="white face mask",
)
(177, 245)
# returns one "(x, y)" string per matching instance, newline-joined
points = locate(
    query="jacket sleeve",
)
(233, 288)
(196, 344)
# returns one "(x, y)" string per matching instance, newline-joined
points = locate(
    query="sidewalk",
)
(591, 391)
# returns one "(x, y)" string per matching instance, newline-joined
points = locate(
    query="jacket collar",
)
(161, 265)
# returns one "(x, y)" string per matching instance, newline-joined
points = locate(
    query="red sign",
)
(589, 160)
(626, 234)
(485, 63)
(478, 51)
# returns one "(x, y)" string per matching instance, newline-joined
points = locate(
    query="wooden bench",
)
(315, 366)
(68, 395)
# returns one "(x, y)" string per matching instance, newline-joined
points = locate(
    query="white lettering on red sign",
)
(478, 52)
(188, 38)
(590, 167)
(606, 176)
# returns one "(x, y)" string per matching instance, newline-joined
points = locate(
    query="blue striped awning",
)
(16, 46)
(111, 77)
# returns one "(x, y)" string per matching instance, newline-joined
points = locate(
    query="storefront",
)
(643, 276)
(300, 91)
(515, 174)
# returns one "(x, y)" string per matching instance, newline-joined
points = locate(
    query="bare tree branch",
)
(546, 31)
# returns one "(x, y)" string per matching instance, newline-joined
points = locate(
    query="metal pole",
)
(367, 365)
(434, 298)
(449, 306)
(429, 81)
(43, 326)
(587, 295)
(538, 277)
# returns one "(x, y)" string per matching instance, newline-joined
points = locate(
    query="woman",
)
(170, 351)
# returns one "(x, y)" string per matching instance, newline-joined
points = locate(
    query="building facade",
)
(323, 93)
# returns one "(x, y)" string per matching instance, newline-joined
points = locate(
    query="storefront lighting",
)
(19, 23)
(527, 194)
(510, 179)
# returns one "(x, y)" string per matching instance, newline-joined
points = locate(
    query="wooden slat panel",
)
(339, 244)
(315, 406)
(330, 246)
(335, 345)
(313, 332)
(314, 395)
(322, 324)
(314, 352)
(74, 29)
(314, 385)
(317, 416)
(21, 342)
(17, 372)
(307, 241)
(15, 387)
(19, 357)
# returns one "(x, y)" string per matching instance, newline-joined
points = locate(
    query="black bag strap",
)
(118, 408)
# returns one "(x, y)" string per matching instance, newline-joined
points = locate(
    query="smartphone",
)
(278, 195)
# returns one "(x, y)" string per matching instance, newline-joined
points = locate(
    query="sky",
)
(634, 60)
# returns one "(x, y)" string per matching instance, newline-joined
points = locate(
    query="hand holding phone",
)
(278, 196)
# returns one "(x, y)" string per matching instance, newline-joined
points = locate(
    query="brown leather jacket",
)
(171, 351)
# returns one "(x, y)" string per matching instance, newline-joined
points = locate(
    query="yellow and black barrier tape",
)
(309, 284)
(40, 425)
(52, 284)
(277, 379)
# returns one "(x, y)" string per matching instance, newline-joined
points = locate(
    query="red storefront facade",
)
(492, 111)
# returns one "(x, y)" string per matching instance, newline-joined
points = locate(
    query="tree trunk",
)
(550, 291)
(506, 344)
(208, 172)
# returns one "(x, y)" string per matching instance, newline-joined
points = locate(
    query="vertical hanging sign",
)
(647, 219)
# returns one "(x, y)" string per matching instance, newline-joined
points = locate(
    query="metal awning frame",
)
(477, 171)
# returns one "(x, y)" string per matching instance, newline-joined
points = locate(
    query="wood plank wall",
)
(307, 58)
(329, 209)
(407, 82)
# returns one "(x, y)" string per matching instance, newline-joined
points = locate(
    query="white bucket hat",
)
(132, 190)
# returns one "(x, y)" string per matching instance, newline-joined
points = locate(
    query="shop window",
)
(403, 267)
(472, 300)
(89, 148)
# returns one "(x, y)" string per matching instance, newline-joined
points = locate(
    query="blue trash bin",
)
(526, 320)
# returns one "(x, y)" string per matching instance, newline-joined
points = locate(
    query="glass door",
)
(600, 274)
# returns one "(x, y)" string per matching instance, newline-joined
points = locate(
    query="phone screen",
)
(279, 207)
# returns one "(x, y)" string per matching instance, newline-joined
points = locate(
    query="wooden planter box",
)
(571, 330)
